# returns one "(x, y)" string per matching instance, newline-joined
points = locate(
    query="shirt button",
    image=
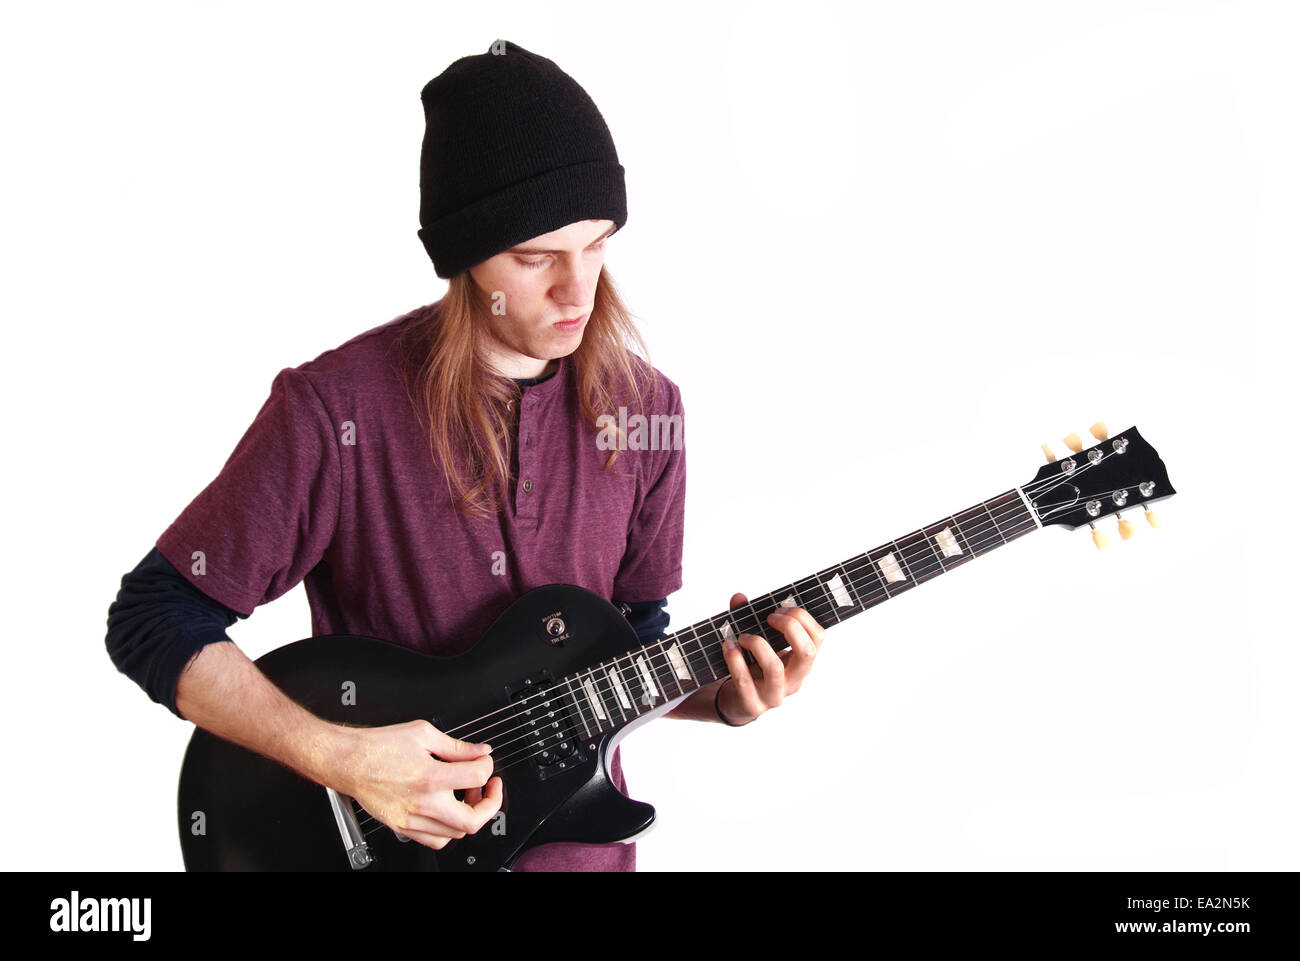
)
(528, 484)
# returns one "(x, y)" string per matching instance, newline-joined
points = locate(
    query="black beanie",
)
(513, 148)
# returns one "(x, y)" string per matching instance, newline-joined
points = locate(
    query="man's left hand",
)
(751, 691)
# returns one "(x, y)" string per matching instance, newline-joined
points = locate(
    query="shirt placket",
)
(527, 484)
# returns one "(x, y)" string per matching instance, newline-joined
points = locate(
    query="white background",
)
(885, 249)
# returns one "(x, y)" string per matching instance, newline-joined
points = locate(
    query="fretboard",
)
(613, 693)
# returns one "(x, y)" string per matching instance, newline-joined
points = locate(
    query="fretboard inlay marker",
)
(890, 568)
(948, 545)
(836, 586)
(679, 665)
(597, 702)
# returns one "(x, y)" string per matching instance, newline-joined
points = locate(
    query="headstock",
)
(1117, 474)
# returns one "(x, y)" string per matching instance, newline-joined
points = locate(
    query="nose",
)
(577, 282)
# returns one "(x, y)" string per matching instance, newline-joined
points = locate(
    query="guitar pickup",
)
(546, 727)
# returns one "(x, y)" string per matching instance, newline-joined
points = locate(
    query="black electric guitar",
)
(561, 677)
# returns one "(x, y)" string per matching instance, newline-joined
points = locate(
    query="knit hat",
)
(513, 148)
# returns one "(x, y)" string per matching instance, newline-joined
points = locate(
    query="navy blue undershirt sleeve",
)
(649, 619)
(160, 621)
(157, 625)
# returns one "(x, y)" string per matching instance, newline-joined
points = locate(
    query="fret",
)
(852, 588)
(784, 597)
(887, 581)
(814, 595)
(748, 611)
(973, 530)
(956, 529)
(1029, 510)
(908, 550)
(947, 544)
(790, 597)
(708, 661)
(864, 565)
(630, 683)
(669, 668)
(833, 588)
(680, 662)
(859, 605)
(595, 698)
(771, 634)
(582, 716)
(900, 559)
(641, 681)
(1017, 515)
(985, 505)
(727, 632)
(874, 591)
(820, 581)
(931, 535)
(619, 695)
(923, 557)
(649, 689)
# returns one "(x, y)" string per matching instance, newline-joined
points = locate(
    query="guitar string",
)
(820, 609)
(1048, 483)
(1033, 488)
(923, 568)
(979, 538)
(979, 526)
(604, 685)
(658, 671)
(934, 566)
(912, 558)
(534, 749)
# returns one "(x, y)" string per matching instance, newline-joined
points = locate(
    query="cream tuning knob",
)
(1098, 430)
(1098, 538)
(1072, 441)
(1047, 452)
(1125, 529)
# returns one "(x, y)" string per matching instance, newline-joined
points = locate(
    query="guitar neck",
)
(618, 691)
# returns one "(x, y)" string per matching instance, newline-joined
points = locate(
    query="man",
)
(426, 473)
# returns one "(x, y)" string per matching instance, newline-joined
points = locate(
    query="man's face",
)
(541, 284)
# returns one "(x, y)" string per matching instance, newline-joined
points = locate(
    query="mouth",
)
(568, 326)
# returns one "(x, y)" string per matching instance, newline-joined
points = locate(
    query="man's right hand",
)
(392, 773)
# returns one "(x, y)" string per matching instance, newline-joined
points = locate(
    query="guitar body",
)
(241, 811)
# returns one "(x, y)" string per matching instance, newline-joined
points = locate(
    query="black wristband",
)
(718, 711)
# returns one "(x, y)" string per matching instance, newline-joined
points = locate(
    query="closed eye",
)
(541, 261)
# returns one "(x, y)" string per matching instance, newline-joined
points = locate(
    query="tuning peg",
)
(1098, 430)
(1152, 519)
(1098, 538)
(1072, 441)
(1051, 458)
(1125, 529)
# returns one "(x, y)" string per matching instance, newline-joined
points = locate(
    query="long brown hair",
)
(462, 402)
